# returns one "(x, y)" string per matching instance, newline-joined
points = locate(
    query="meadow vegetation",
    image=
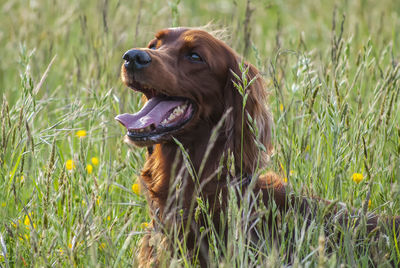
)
(69, 193)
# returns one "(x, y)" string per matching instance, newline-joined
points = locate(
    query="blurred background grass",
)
(332, 68)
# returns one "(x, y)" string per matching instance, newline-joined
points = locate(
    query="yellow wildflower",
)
(70, 164)
(102, 245)
(285, 180)
(98, 200)
(144, 225)
(69, 245)
(358, 177)
(95, 161)
(3, 204)
(136, 188)
(27, 221)
(281, 107)
(108, 218)
(81, 133)
(369, 203)
(89, 168)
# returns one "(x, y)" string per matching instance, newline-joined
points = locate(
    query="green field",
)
(333, 72)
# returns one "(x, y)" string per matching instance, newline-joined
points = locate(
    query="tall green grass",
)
(333, 73)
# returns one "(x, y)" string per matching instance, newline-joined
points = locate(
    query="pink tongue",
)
(152, 113)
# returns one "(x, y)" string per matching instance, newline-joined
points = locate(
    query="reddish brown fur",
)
(210, 86)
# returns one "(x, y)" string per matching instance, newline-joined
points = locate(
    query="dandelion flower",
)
(70, 164)
(81, 133)
(108, 218)
(27, 220)
(95, 161)
(89, 168)
(144, 225)
(136, 189)
(358, 177)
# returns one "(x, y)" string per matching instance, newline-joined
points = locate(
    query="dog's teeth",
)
(178, 111)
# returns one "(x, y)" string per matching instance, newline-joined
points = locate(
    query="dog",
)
(200, 111)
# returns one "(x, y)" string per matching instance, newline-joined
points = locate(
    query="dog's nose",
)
(136, 59)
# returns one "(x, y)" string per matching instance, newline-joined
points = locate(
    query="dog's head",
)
(186, 76)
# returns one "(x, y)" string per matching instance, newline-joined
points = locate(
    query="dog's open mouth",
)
(159, 116)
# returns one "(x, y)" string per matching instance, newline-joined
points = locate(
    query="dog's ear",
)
(257, 122)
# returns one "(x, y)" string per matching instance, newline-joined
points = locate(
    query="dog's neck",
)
(173, 177)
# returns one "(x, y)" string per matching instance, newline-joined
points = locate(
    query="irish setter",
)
(191, 125)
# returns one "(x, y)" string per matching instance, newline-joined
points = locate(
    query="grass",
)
(333, 72)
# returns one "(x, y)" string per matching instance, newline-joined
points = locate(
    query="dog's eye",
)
(194, 57)
(153, 46)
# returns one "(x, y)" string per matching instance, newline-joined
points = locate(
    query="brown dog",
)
(188, 78)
